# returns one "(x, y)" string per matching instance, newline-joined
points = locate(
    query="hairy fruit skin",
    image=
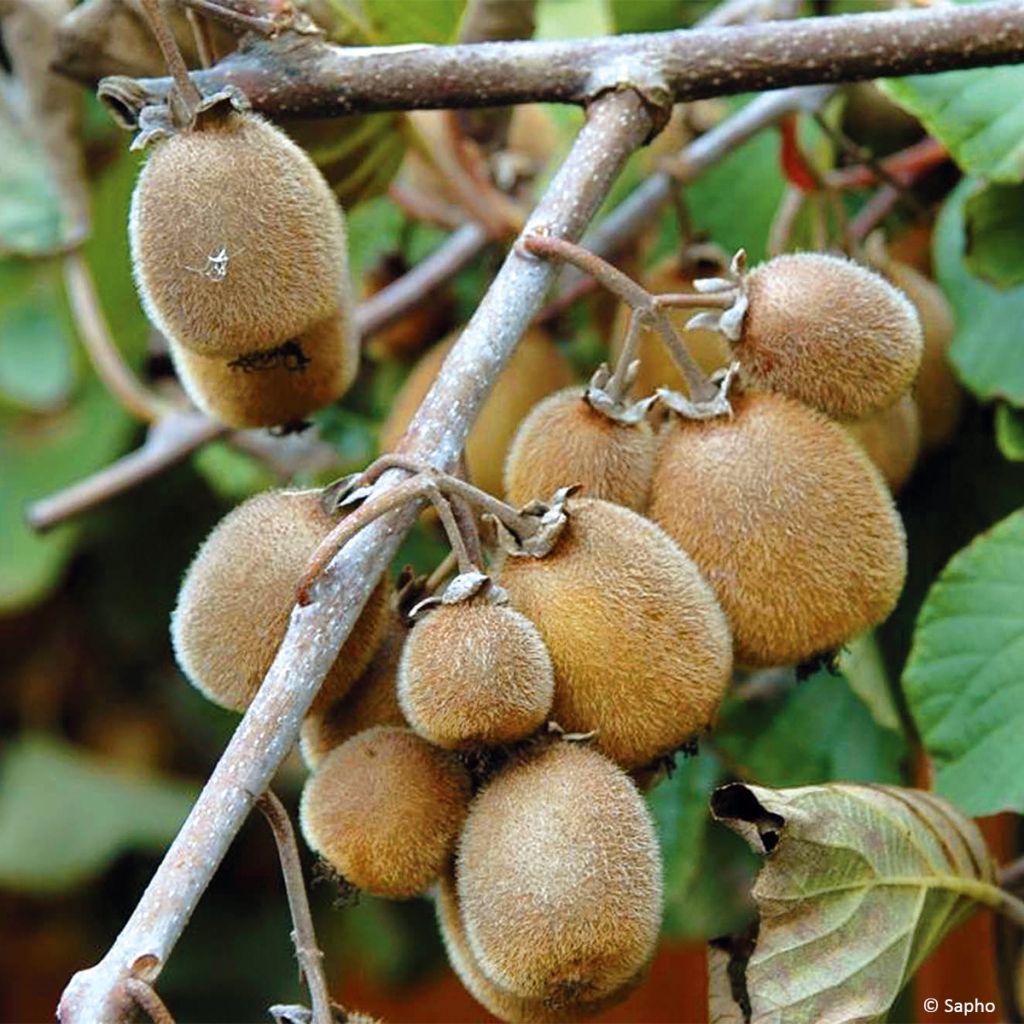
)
(475, 674)
(559, 877)
(238, 593)
(790, 522)
(564, 440)
(271, 388)
(237, 241)
(937, 393)
(535, 369)
(372, 700)
(892, 439)
(830, 333)
(657, 367)
(496, 1000)
(641, 648)
(385, 810)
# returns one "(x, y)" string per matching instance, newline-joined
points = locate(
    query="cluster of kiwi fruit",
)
(488, 740)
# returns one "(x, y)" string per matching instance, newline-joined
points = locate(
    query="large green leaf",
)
(859, 885)
(965, 678)
(994, 223)
(65, 814)
(986, 351)
(977, 115)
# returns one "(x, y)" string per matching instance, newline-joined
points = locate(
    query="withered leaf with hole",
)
(859, 885)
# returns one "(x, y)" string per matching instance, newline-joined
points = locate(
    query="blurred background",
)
(103, 745)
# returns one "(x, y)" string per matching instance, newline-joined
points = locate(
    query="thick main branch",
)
(616, 126)
(295, 74)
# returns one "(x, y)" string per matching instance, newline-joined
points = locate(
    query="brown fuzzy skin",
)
(269, 389)
(535, 369)
(641, 648)
(238, 593)
(559, 877)
(385, 810)
(937, 392)
(565, 440)
(657, 368)
(373, 700)
(496, 1000)
(790, 522)
(830, 333)
(475, 674)
(892, 439)
(238, 186)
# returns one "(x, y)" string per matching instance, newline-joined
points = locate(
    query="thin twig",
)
(202, 36)
(307, 949)
(1011, 876)
(103, 353)
(873, 212)
(303, 75)
(169, 441)
(187, 90)
(144, 996)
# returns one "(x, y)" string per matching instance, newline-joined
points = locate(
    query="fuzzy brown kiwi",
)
(475, 674)
(238, 593)
(238, 243)
(559, 877)
(564, 440)
(496, 1000)
(708, 347)
(937, 393)
(892, 439)
(385, 810)
(270, 388)
(641, 648)
(789, 521)
(373, 700)
(829, 332)
(535, 369)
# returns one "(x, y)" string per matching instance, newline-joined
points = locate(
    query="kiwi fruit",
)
(275, 387)
(559, 877)
(937, 393)
(475, 674)
(373, 700)
(236, 598)
(674, 274)
(892, 439)
(385, 809)
(829, 332)
(496, 1000)
(238, 243)
(565, 440)
(640, 647)
(789, 521)
(535, 369)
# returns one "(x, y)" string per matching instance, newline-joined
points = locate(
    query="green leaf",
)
(66, 814)
(993, 223)
(977, 115)
(37, 362)
(655, 15)
(863, 668)
(233, 475)
(964, 680)
(986, 348)
(1010, 432)
(30, 209)
(859, 885)
(680, 808)
(818, 731)
(384, 22)
(573, 19)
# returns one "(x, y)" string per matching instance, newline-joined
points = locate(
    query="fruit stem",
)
(307, 951)
(641, 300)
(616, 386)
(186, 89)
(145, 998)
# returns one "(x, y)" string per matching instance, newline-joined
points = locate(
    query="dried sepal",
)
(551, 519)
